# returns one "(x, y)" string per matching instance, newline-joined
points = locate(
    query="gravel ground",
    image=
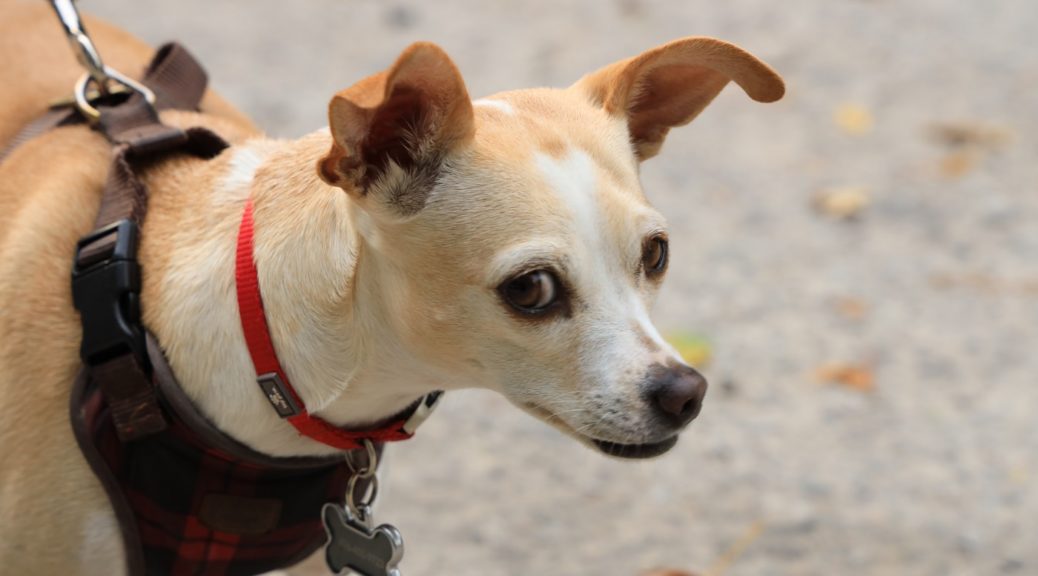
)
(924, 304)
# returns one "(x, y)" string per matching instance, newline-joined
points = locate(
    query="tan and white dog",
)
(426, 241)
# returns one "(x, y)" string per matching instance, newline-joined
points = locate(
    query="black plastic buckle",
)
(106, 287)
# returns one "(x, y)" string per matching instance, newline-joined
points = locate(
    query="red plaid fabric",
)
(186, 508)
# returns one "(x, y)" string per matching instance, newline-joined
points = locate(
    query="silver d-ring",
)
(83, 101)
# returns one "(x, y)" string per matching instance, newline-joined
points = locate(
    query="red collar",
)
(271, 377)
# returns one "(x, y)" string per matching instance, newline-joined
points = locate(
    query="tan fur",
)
(369, 306)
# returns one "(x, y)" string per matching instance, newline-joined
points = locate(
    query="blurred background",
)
(855, 269)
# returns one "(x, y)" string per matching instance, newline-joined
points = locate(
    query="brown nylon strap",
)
(178, 80)
(125, 196)
(138, 138)
(135, 407)
(49, 121)
(137, 135)
(176, 77)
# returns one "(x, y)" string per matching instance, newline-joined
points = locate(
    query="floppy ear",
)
(671, 84)
(392, 130)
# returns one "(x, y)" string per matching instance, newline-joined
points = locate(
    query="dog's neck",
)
(323, 288)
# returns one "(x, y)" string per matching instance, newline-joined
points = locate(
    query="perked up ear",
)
(671, 84)
(391, 131)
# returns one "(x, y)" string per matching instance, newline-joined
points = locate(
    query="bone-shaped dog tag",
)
(354, 544)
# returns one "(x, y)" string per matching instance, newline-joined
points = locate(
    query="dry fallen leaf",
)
(844, 202)
(695, 349)
(851, 308)
(961, 134)
(853, 119)
(958, 163)
(854, 376)
(968, 144)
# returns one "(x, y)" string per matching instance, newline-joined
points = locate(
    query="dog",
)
(423, 240)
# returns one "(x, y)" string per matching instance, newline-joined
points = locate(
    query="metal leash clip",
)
(99, 81)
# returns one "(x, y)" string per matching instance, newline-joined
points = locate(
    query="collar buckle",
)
(421, 413)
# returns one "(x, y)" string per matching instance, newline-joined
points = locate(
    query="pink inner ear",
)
(669, 96)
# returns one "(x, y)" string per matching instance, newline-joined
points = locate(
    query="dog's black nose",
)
(676, 393)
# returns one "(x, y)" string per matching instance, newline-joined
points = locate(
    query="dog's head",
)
(511, 237)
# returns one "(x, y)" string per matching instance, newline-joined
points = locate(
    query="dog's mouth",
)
(636, 451)
(609, 448)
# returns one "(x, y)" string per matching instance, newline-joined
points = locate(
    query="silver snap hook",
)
(103, 79)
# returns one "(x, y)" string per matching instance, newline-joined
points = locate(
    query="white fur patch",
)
(243, 165)
(499, 105)
(641, 316)
(573, 179)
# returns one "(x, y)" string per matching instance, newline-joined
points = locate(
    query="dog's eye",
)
(532, 292)
(654, 256)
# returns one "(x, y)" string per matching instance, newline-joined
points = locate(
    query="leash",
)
(127, 382)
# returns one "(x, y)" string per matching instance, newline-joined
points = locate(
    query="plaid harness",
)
(192, 501)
